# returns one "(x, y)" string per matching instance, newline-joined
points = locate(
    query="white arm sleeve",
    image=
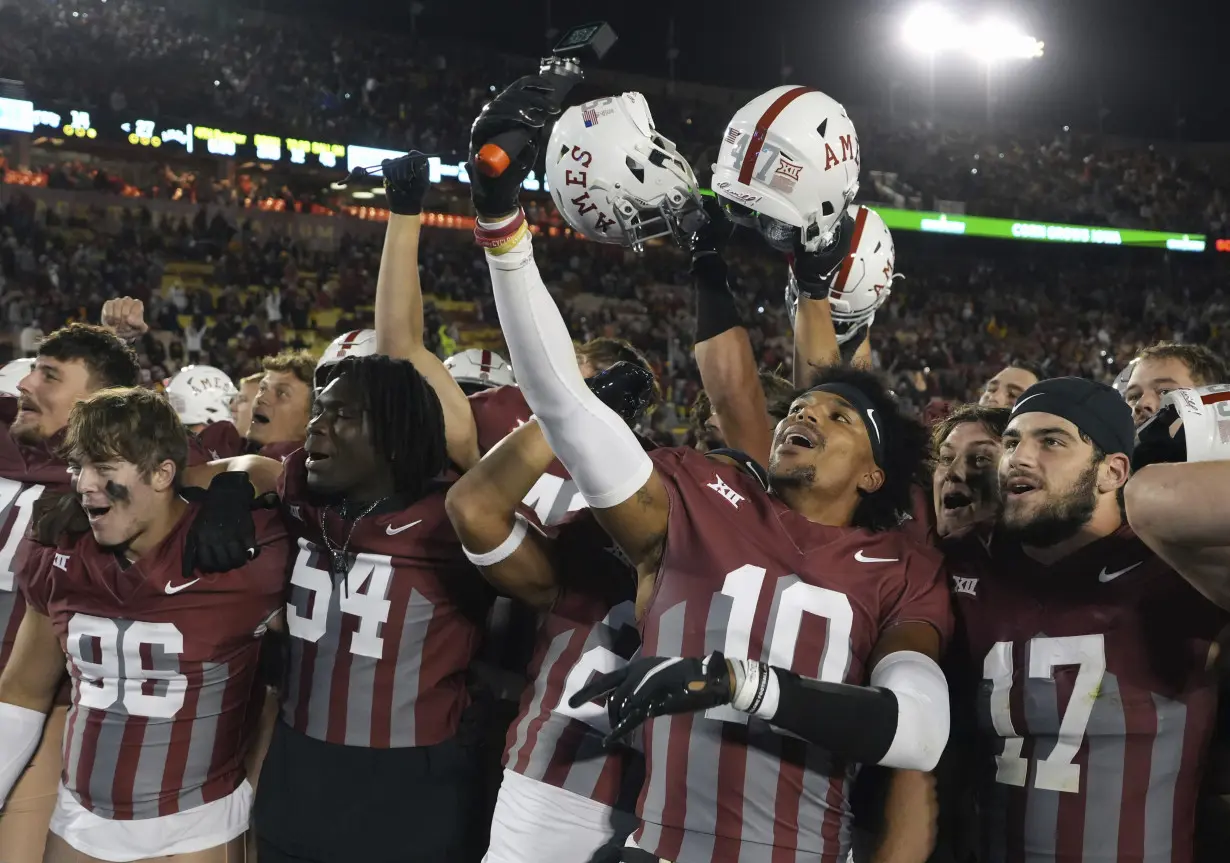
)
(922, 709)
(600, 451)
(20, 731)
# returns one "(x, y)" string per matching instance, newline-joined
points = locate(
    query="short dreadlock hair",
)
(405, 416)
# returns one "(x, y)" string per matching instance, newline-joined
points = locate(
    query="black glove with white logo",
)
(814, 271)
(529, 103)
(625, 388)
(406, 182)
(656, 686)
(223, 535)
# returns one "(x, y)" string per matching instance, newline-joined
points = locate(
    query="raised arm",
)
(399, 303)
(262, 472)
(815, 340)
(510, 552)
(27, 688)
(1182, 512)
(605, 458)
(1177, 500)
(724, 351)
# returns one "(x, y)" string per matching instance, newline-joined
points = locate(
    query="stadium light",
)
(934, 30)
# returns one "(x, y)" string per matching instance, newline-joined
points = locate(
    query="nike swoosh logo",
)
(173, 589)
(1105, 576)
(393, 531)
(862, 558)
(1016, 407)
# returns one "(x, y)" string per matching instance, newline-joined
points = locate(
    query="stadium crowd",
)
(1066, 313)
(261, 70)
(728, 533)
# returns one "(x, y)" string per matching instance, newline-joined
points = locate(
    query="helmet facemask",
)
(678, 216)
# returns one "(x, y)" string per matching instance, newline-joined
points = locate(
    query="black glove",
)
(813, 271)
(1154, 443)
(527, 104)
(223, 536)
(626, 388)
(708, 243)
(405, 182)
(676, 686)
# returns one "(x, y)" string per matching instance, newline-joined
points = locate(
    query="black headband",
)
(1094, 408)
(866, 409)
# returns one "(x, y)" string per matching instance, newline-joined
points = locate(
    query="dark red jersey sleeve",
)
(292, 484)
(33, 568)
(923, 594)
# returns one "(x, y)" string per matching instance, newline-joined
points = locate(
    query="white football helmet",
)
(788, 166)
(1121, 379)
(201, 394)
(356, 343)
(615, 179)
(476, 370)
(862, 282)
(12, 373)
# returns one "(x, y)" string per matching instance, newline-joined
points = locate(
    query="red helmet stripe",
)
(859, 221)
(348, 341)
(762, 129)
(484, 363)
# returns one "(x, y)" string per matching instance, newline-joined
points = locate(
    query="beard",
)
(28, 432)
(1060, 519)
(794, 478)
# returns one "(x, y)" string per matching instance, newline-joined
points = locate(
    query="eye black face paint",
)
(116, 492)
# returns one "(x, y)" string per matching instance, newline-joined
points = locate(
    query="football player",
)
(283, 403)
(966, 448)
(1177, 502)
(1003, 390)
(1167, 366)
(1091, 658)
(161, 656)
(563, 797)
(72, 362)
(798, 578)
(384, 616)
(385, 613)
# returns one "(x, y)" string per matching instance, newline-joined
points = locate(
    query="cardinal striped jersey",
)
(1095, 699)
(163, 667)
(743, 574)
(378, 655)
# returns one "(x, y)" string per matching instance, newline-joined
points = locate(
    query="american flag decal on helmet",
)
(589, 115)
(732, 135)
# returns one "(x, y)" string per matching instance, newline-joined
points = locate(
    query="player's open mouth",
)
(314, 458)
(259, 418)
(801, 437)
(954, 500)
(25, 406)
(1019, 486)
(94, 513)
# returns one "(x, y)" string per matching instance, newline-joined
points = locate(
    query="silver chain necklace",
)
(338, 555)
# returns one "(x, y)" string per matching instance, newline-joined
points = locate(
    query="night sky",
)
(1149, 65)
